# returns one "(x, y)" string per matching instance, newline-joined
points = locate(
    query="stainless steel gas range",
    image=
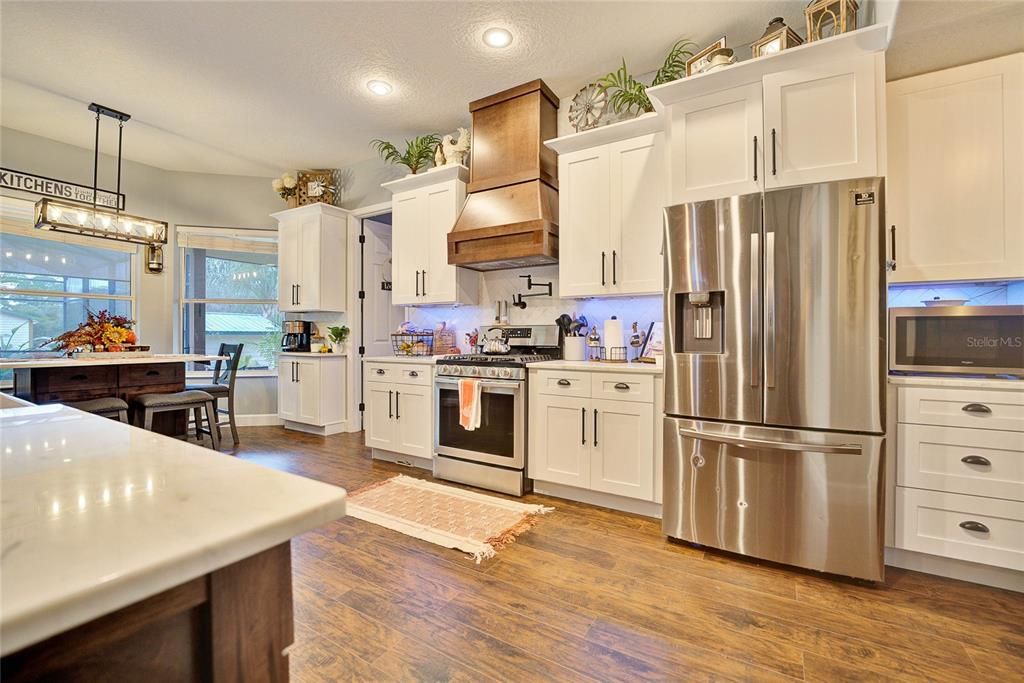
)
(492, 456)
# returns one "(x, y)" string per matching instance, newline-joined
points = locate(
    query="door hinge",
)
(362, 407)
(362, 350)
(362, 239)
(362, 294)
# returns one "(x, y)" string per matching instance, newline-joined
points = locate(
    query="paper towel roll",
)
(612, 335)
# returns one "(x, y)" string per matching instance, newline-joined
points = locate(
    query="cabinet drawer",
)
(563, 383)
(57, 380)
(974, 408)
(152, 373)
(978, 462)
(623, 387)
(401, 373)
(933, 522)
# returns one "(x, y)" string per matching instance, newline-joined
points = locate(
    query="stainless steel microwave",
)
(962, 340)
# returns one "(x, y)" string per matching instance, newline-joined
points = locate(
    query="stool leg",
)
(231, 417)
(147, 419)
(122, 416)
(197, 415)
(211, 420)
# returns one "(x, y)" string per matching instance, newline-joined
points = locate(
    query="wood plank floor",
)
(591, 594)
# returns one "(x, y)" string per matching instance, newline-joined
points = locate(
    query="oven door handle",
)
(510, 387)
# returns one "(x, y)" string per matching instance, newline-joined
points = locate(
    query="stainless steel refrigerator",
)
(775, 374)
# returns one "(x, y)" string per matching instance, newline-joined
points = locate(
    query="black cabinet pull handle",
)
(583, 426)
(622, 385)
(977, 408)
(602, 268)
(413, 373)
(380, 371)
(390, 413)
(79, 377)
(755, 158)
(397, 416)
(976, 460)
(298, 294)
(564, 383)
(774, 170)
(417, 283)
(595, 427)
(424, 276)
(971, 525)
(892, 244)
(615, 277)
(152, 373)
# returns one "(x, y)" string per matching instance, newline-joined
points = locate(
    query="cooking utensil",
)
(563, 321)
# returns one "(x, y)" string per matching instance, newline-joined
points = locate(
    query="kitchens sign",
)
(61, 189)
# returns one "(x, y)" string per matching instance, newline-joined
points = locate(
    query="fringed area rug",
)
(446, 516)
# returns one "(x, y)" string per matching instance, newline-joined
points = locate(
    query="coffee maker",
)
(297, 335)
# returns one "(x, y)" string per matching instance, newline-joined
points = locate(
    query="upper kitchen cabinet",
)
(613, 188)
(809, 114)
(312, 258)
(720, 145)
(955, 187)
(424, 209)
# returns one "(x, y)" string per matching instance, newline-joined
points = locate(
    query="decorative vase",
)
(338, 347)
(293, 201)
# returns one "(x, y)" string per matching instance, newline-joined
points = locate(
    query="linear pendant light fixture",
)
(95, 221)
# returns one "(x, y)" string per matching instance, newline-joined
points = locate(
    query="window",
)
(229, 293)
(48, 282)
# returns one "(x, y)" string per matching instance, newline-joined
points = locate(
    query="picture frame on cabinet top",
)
(702, 60)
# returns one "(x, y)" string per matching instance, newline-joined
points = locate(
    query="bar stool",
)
(110, 406)
(148, 405)
(223, 386)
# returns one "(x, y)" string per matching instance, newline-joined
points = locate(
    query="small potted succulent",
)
(338, 335)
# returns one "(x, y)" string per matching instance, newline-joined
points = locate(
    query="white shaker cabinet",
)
(821, 122)
(613, 184)
(311, 392)
(424, 210)
(560, 443)
(399, 416)
(955, 190)
(311, 258)
(718, 145)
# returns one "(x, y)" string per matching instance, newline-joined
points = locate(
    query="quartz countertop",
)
(956, 382)
(97, 515)
(420, 360)
(134, 359)
(593, 366)
(310, 354)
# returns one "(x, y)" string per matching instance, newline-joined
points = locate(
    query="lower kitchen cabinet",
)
(399, 414)
(311, 392)
(592, 442)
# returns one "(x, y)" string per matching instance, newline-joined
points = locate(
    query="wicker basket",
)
(415, 344)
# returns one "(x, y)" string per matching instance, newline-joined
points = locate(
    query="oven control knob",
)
(443, 370)
(455, 370)
(506, 373)
(492, 372)
(471, 371)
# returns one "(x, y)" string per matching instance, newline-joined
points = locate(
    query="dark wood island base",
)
(232, 625)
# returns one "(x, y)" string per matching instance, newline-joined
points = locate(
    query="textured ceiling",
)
(259, 87)
(254, 88)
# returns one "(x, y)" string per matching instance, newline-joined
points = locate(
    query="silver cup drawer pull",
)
(977, 409)
(971, 525)
(976, 460)
(622, 386)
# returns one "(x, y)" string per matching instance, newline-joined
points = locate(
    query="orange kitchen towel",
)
(469, 404)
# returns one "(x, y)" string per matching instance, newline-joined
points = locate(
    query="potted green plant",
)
(625, 93)
(418, 152)
(338, 335)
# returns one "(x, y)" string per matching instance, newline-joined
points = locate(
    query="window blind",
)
(226, 239)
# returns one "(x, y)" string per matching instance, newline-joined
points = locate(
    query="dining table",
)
(122, 375)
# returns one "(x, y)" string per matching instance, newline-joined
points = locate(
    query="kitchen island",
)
(129, 555)
(64, 380)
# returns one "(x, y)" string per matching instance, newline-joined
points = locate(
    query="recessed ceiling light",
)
(498, 37)
(379, 87)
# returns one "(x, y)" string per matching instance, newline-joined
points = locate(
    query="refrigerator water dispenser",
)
(699, 317)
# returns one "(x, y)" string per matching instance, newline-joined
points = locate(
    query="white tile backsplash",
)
(500, 285)
(976, 293)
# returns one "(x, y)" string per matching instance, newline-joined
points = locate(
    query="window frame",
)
(184, 301)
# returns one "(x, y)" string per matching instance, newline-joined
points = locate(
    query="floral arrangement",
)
(286, 185)
(102, 331)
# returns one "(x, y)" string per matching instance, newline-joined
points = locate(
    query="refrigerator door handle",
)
(852, 449)
(755, 310)
(769, 309)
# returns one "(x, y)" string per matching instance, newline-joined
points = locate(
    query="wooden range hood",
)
(510, 219)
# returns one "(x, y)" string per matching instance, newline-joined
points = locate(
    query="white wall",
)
(176, 197)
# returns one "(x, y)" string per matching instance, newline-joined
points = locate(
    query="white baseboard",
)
(258, 420)
(327, 430)
(402, 459)
(999, 577)
(605, 500)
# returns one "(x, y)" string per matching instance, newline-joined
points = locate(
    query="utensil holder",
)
(575, 348)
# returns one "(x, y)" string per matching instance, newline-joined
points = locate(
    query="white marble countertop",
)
(421, 360)
(592, 366)
(139, 359)
(956, 382)
(97, 515)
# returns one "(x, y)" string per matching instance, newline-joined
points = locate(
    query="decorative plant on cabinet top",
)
(626, 93)
(418, 152)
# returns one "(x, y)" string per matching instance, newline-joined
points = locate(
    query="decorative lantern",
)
(826, 18)
(154, 259)
(776, 38)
